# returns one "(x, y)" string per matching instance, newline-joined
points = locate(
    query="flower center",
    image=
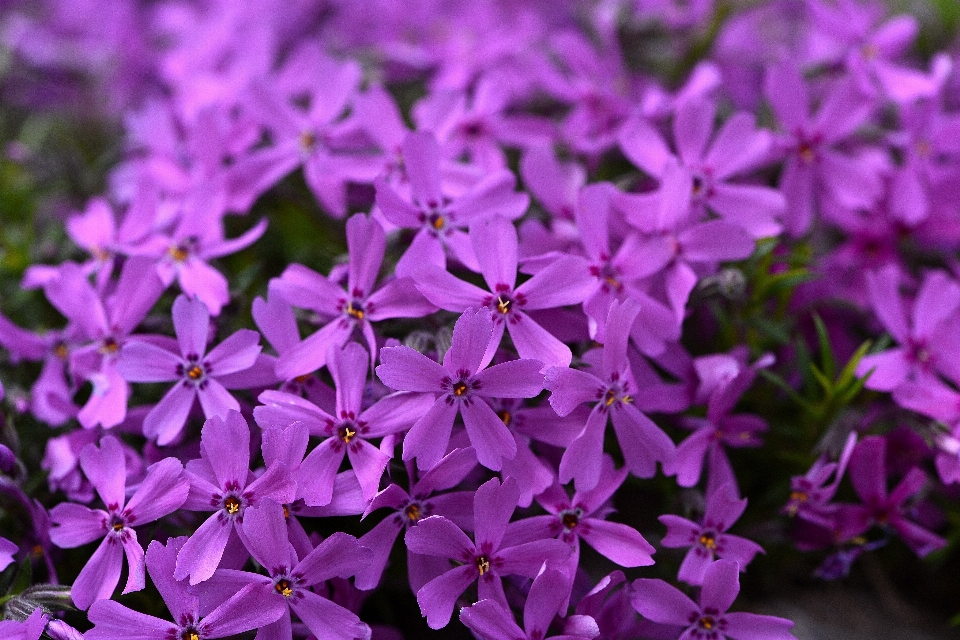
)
(612, 395)
(483, 565)
(108, 346)
(460, 388)
(503, 304)
(195, 372)
(571, 519)
(354, 309)
(709, 540)
(307, 140)
(61, 351)
(231, 505)
(413, 512)
(347, 433)
(179, 252)
(806, 153)
(505, 416)
(189, 634)
(706, 622)
(283, 588)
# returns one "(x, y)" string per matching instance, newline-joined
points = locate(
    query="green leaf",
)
(23, 579)
(827, 360)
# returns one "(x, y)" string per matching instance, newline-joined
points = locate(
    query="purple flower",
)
(642, 442)
(348, 430)
(163, 490)
(289, 579)
(485, 560)
(460, 382)
(583, 517)
(564, 282)
(814, 168)
(923, 339)
(709, 620)
(720, 427)
(709, 540)
(348, 310)
(423, 500)
(195, 369)
(7, 551)
(868, 474)
(199, 237)
(738, 148)
(440, 220)
(29, 629)
(810, 495)
(220, 481)
(105, 324)
(243, 611)
(489, 619)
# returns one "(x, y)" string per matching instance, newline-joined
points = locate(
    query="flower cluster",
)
(548, 277)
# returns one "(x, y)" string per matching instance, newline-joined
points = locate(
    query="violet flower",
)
(163, 491)
(288, 584)
(489, 619)
(643, 443)
(220, 481)
(440, 220)
(738, 148)
(195, 369)
(409, 508)
(29, 629)
(106, 325)
(347, 310)
(485, 560)
(348, 430)
(565, 281)
(814, 167)
(243, 611)
(584, 517)
(924, 339)
(459, 381)
(708, 620)
(868, 474)
(709, 540)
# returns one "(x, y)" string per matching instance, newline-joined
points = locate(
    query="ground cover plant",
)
(459, 318)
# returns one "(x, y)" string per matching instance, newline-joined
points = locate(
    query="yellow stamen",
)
(438, 222)
(347, 434)
(611, 397)
(194, 372)
(61, 351)
(232, 505)
(483, 565)
(798, 496)
(283, 588)
(109, 346)
(806, 153)
(413, 512)
(708, 541)
(178, 253)
(503, 305)
(570, 520)
(307, 140)
(118, 526)
(505, 416)
(460, 388)
(706, 622)
(286, 512)
(190, 635)
(354, 312)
